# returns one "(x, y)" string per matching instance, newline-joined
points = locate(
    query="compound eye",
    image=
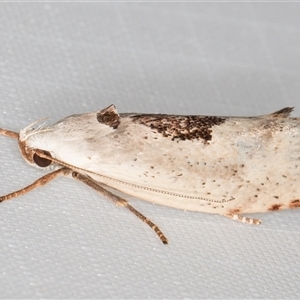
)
(41, 161)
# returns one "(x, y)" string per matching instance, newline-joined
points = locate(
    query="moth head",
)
(33, 156)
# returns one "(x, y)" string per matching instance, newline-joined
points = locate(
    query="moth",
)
(223, 165)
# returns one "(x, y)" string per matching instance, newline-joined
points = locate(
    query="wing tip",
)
(282, 113)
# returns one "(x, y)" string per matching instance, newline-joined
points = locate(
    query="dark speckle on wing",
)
(181, 127)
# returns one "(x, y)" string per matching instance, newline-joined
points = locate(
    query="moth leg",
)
(119, 201)
(243, 219)
(40, 182)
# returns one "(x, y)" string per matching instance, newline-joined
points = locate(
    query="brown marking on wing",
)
(275, 207)
(181, 127)
(109, 116)
(295, 203)
(235, 211)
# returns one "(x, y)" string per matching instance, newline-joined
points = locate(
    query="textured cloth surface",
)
(57, 59)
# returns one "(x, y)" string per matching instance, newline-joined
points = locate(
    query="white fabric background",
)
(57, 59)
